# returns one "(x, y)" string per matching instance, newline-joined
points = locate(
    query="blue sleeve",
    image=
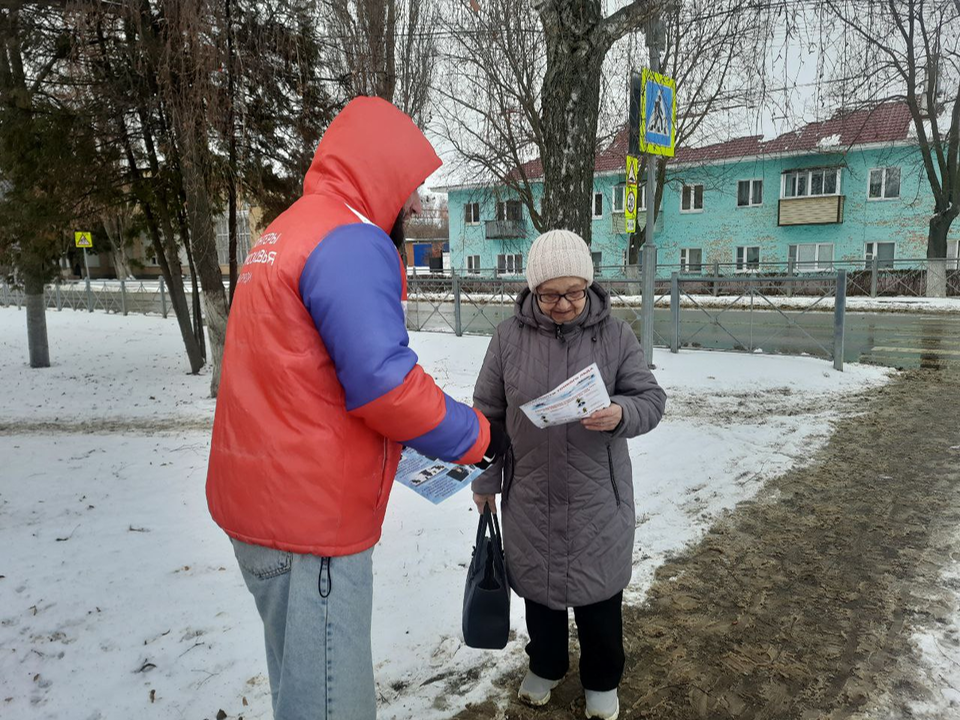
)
(351, 286)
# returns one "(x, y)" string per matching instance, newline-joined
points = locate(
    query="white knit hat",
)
(558, 253)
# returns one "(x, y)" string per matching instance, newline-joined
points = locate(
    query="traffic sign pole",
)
(649, 242)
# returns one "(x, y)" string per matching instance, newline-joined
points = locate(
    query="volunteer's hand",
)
(605, 420)
(499, 444)
(482, 500)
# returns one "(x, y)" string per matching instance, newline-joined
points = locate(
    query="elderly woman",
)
(567, 497)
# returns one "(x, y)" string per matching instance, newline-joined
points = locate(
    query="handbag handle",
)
(489, 520)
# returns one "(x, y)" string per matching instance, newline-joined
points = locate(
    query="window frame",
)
(620, 190)
(505, 205)
(742, 266)
(868, 256)
(693, 198)
(815, 264)
(953, 263)
(751, 194)
(883, 183)
(807, 174)
(686, 266)
(597, 196)
(475, 215)
(597, 257)
(475, 270)
(514, 259)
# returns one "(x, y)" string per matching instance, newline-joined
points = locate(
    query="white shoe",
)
(602, 705)
(535, 691)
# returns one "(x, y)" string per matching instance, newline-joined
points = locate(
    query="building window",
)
(812, 256)
(953, 254)
(473, 264)
(597, 261)
(223, 236)
(884, 252)
(510, 264)
(619, 194)
(815, 182)
(617, 200)
(597, 205)
(884, 184)
(749, 193)
(510, 211)
(691, 260)
(691, 198)
(471, 213)
(748, 258)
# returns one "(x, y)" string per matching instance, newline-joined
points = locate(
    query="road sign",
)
(83, 239)
(630, 194)
(658, 106)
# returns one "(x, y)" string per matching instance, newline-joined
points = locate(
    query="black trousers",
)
(600, 629)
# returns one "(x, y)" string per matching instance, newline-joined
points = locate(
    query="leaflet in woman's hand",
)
(575, 399)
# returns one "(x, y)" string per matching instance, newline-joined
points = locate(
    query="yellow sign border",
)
(83, 239)
(649, 148)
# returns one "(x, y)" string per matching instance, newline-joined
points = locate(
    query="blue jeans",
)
(316, 616)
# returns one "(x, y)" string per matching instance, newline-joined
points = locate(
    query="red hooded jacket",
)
(318, 385)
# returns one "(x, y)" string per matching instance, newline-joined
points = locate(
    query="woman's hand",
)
(482, 500)
(605, 420)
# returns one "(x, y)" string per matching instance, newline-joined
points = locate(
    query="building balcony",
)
(505, 229)
(825, 210)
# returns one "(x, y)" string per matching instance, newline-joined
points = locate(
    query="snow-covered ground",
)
(120, 598)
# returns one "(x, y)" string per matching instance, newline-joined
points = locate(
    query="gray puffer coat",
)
(568, 509)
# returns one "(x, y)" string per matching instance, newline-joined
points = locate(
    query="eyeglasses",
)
(553, 298)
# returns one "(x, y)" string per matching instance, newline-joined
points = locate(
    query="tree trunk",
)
(37, 343)
(570, 106)
(113, 225)
(232, 159)
(173, 276)
(204, 242)
(937, 253)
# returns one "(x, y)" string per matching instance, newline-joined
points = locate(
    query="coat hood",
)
(372, 157)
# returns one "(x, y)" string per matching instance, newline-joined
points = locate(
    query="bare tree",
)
(383, 48)
(912, 54)
(534, 89)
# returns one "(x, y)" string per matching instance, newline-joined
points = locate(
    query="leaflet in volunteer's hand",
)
(576, 399)
(435, 480)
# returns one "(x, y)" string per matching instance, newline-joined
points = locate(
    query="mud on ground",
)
(801, 603)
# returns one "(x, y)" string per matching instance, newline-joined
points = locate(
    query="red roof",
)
(889, 122)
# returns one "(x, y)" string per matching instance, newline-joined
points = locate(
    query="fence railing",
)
(472, 306)
(874, 277)
(761, 293)
(122, 297)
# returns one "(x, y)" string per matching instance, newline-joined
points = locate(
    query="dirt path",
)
(801, 604)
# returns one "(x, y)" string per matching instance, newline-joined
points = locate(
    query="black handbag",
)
(486, 597)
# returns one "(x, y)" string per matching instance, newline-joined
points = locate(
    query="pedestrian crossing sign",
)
(658, 105)
(83, 239)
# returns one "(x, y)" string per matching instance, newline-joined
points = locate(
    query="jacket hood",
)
(596, 310)
(372, 157)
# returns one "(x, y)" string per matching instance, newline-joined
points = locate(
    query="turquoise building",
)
(842, 191)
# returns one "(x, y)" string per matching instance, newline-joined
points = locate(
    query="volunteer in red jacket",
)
(319, 390)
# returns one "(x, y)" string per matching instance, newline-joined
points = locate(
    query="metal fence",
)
(873, 278)
(762, 293)
(111, 296)
(724, 304)
(475, 306)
